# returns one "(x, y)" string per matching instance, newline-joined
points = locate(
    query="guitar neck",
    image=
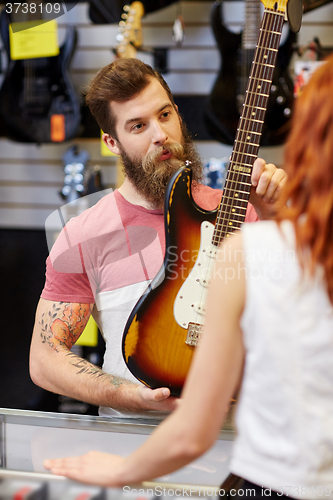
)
(232, 209)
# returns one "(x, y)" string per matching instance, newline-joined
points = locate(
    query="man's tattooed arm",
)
(86, 367)
(63, 322)
(61, 326)
(54, 367)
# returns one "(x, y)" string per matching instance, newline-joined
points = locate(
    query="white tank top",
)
(284, 417)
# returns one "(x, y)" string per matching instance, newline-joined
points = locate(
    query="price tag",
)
(33, 39)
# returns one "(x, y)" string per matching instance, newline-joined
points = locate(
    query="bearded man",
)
(105, 258)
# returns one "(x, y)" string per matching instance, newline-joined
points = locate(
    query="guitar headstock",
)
(129, 35)
(276, 5)
(291, 9)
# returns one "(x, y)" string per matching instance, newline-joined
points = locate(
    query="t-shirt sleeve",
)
(209, 199)
(67, 279)
(251, 214)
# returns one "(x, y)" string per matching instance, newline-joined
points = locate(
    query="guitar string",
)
(265, 43)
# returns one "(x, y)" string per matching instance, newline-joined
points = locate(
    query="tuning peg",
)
(126, 8)
(119, 37)
(68, 168)
(124, 15)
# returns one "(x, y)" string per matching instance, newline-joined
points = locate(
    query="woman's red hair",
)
(307, 199)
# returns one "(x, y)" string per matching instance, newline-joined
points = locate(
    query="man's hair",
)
(120, 81)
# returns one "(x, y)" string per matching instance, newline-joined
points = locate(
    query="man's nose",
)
(159, 135)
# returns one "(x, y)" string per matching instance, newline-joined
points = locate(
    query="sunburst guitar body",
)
(155, 344)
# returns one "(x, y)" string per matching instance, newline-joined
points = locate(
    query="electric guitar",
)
(38, 102)
(129, 37)
(227, 96)
(129, 40)
(165, 325)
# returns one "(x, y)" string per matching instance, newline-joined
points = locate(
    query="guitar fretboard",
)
(232, 209)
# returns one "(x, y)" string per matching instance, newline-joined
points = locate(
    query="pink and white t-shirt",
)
(107, 256)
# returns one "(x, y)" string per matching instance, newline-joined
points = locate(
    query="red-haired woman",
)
(268, 334)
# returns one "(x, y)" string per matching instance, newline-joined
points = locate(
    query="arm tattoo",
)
(61, 326)
(63, 323)
(86, 367)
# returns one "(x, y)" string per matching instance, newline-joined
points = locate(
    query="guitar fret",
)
(257, 107)
(227, 227)
(243, 139)
(276, 13)
(220, 234)
(230, 222)
(239, 219)
(252, 78)
(245, 183)
(247, 132)
(243, 170)
(254, 120)
(271, 49)
(270, 32)
(234, 206)
(249, 143)
(235, 182)
(237, 191)
(265, 65)
(256, 93)
(248, 154)
(255, 83)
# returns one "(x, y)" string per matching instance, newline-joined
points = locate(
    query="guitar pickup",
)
(193, 334)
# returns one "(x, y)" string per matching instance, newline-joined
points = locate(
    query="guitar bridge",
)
(193, 334)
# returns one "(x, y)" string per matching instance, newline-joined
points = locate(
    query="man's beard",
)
(151, 175)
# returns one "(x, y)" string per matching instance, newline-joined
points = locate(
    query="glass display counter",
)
(29, 437)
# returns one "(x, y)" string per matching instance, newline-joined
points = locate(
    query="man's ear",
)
(111, 144)
(180, 118)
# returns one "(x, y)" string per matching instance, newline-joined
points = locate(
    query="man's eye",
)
(166, 114)
(138, 126)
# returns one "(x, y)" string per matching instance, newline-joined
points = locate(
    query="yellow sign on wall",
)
(33, 39)
(89, 336)
(104, 149)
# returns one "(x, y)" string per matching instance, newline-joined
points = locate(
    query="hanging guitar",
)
(129, 40)
(227, 96)
(165, 325)
(38, 102)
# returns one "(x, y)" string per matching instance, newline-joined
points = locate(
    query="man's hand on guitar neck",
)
(267, 182)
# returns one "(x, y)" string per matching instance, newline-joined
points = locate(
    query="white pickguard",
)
(189, 305)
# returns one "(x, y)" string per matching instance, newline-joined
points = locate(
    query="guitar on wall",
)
(129, 40)
(227, 96)
(38, 102)
(165, 325)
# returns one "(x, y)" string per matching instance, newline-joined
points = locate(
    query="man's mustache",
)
(175, 148)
